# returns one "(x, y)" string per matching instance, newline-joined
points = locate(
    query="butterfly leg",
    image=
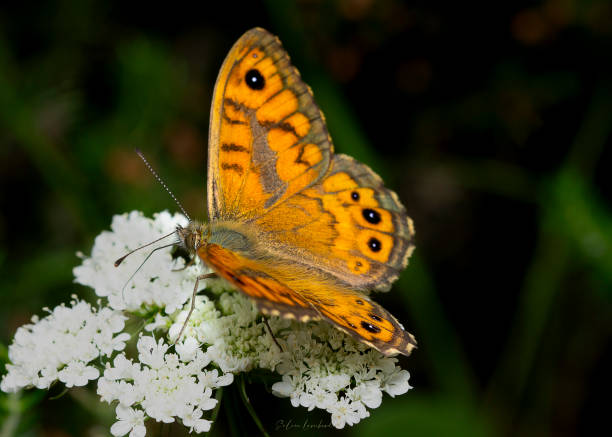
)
(272, 334)
(195, 291)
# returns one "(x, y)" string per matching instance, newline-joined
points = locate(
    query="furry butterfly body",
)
(304, 232)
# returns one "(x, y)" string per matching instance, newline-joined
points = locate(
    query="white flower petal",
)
(58, 346)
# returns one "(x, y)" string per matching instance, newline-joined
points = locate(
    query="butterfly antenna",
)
(120, 260)
(142, 263)
(139, 153)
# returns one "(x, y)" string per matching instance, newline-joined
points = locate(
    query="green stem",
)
(9, 427)
(215, 411)
(61, 394)
(231, 406)
(249, 407)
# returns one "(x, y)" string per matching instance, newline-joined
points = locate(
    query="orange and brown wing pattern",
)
(366, 321)
(268, 138)
(348, 225)
(252, 278)
(289, 291)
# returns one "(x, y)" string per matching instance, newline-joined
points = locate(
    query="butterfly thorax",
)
(235, 236)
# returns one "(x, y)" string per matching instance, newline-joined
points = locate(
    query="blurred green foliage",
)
(491, 120)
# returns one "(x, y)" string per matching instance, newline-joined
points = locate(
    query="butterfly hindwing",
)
(288, 290)
(348, 224)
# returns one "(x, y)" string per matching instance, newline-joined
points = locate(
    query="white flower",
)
(106, 390)
(107, 343)
(187, 348)
(323, 399)
(344, 380)
(61, 345)
(335, 382)
(287, 388)
(194, 423)
(151, 353)
(164, 385)
(369, 393)
(130, 420)
(283, 388)
(397, 383)
(124, 369)
(160, 322)
(344, 412)
(76, 373)
(212, 379)
(126, 393)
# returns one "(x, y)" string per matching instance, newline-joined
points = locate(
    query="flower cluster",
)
(328, 370)
(320, 366)
(153, 284)
(61, 346)
(161, 386)
(317, 365)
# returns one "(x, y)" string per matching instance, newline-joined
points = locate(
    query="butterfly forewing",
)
(267, 139)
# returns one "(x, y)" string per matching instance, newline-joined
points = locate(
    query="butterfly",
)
(304, 232)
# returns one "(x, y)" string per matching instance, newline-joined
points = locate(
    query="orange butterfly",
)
(301, 230)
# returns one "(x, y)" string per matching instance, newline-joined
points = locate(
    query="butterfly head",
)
(193, 236)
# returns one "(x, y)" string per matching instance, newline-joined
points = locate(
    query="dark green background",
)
(490, 119)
